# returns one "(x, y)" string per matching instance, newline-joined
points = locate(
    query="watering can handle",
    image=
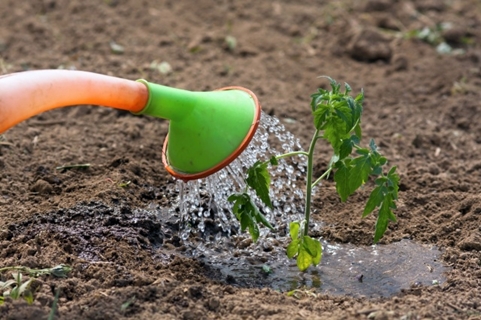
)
(26, 94)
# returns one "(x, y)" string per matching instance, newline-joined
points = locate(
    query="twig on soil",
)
(59, 271)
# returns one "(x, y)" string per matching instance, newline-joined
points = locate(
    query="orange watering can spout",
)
(26, 94)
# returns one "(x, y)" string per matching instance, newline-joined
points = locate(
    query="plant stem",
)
(322, 177)
(310, 157)
(293, 153)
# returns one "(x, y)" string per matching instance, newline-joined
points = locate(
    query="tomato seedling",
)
(337, 120)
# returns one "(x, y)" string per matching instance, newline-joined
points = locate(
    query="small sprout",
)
(18, 287)
(124, 184)
(60, 271)
(116, 48)
(127, 304)
(266, 269)
(302, 293)
(231, 42)
(163, 67)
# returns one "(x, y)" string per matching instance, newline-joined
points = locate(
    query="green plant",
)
(337, 120)
(19, 287)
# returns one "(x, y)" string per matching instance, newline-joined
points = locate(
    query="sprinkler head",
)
(207, 130)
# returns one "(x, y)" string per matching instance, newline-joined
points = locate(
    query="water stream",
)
(205, 200)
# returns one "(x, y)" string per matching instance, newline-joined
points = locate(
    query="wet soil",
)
(421, 107)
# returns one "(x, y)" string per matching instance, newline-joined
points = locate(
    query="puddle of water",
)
(385, 269)
(375, 271)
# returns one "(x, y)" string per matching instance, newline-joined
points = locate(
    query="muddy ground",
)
(421, 107)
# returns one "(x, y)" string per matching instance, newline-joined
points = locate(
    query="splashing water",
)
(205, 200)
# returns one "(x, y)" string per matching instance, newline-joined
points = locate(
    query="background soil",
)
(421, 107)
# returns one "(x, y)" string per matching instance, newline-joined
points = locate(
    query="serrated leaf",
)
(293, 248)
(393, 178)
(360, 97)
(335, 132)
(245, 220)
(273, 161)
(342, 179)
(317, 258)
(344, 113)
(258, 178)
(233, 197)
(314, 248)
(304, 259)
(358, 130)
(320, 115)
(373, 146)
(259, 217)
(360, 171)
(383, 218)
(346, 147)
(254, 231)
(294, 229)
(375, 199)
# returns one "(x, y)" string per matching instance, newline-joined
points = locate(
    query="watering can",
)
(207, 130)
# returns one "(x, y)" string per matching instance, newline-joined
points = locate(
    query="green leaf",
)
(7, 284)
(60, 271)
(2, 300)
(358, 130)
(385, 214)
(347, 146)
(24, 286)
(335, 132)
(28, 296)
(14, 293)
(245, 220)
(248, 214)
(310, 245)
(293, 248)
(344, 113)
(261, 218)
(304, 259)
(254, 231)
(258, 179)
(360, 171)
(375, 199)
(294, 229)
(314, 248)
(393, 178)
(341, 177)
(273, 161)
(321, 114)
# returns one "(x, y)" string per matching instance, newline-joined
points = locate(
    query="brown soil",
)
(421, 107)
